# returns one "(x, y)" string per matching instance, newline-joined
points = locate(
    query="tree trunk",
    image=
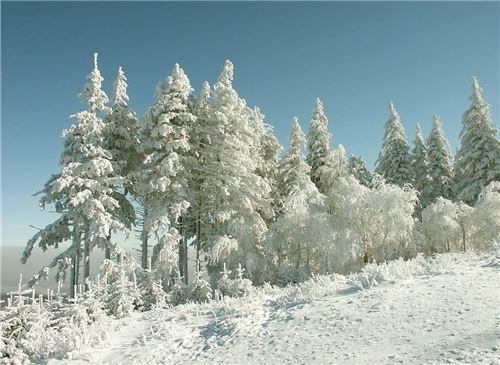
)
(77, 262)
(107, 250)
(198, 243)
(144, 243)
(463, 237)
(182, 253)
(185, 264)
(86, 264)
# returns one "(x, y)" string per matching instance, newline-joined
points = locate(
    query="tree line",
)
(204, 174)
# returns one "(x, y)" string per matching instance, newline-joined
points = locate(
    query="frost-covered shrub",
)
(440, 226)
(289, 274)
(374, 274)
(372, 224)
(179, 293)
(43, 329)
(486, 217)
(121, 292)
(200, 290)
(152, 293)
(237, 287)
(23, 333)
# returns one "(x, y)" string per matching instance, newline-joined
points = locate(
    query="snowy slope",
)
(445, 310)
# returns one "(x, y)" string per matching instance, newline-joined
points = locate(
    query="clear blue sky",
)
(355, 56)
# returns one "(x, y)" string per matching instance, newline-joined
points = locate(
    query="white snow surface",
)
(422, 311)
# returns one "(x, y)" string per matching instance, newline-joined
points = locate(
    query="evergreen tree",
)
(163, 179)
(420, 166)
(477, 161)
(85, 192)
(293, 168)
(439, 157)
(394, 160)
(268, 158)
(318, 143)
(200, 152)
(292, 250)
(357, 168)
(121, 138)
(238, 195)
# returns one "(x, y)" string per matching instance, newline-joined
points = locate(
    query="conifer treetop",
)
(120, 96)
(205, 91)
(297, 138)
(92, 92)
(178, 82)
(476, 91)
(227, 74)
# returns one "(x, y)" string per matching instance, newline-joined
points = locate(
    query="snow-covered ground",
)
(445, 310)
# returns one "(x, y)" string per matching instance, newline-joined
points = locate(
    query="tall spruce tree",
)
(439, 157)
(85, 192)
(288, 238)
(293, 168)
(394, 160)
(121, 139)
(318, 143)
(164, 176)
(420, 166)
(477, 161)
(268, 158)
(200, 152)
(357, 168)
(238, 194)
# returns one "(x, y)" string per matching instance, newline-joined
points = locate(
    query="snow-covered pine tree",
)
(420, 166)
(238, 195)
(121, 138)
(268, 158)
(140, 193)
(200, 202)
(85, 192)
(293, 168)
(336, 167)
(394, 160)
(439, 157)
(318, 143)
(477, 161)
(165, 143)
(357, 168)
(288, 240)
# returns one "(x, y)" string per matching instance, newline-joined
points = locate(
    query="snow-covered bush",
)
(200, 290)
(237, 287)
(152, 293)
(486, 217)
(179, 294)
(372, 225)
(45, 328)
(440, 226)
(121, 292)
